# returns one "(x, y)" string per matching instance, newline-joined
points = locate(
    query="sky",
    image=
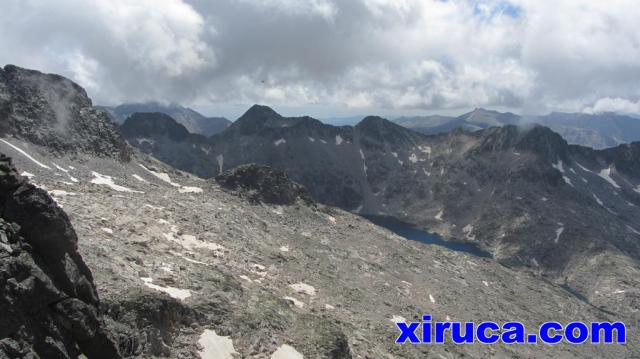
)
(333, 58)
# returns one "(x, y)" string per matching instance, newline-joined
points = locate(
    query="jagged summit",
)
(54, 112)
(255, 119)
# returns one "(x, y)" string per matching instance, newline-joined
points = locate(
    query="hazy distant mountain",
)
(193, 121)
(591, 130)
(342, 121)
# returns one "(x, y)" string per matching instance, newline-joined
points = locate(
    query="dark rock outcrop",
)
(52, 111)
(263, 184)
(48, 302)
(147, 323)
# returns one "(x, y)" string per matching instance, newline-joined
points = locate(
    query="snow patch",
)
(606, 175)
(329, 307)
(180, 294)
(27, 174)
(303, 288)
(190, 242)
(279, 142)
(338, 140)
(215, 346)
(100, 179)
(398, 319)
(568, 181)
(26, 155)
(432, 299)
(187, 189)
(286, 352)
(364, 162)
(413, 158)
(311, 139)
(139, 178)
(161, 175)
(439, 215)
(426, 150)
(468, 231)
(284, 249)
(61, 193)
(220, 160)
(559, 166)
(583, 168)
(559, 232)
(633, 230)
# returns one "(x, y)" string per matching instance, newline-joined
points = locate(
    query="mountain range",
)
(592, 130)
(174, 244)
(193, 121)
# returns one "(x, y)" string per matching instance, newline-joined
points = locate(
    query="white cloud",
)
(526, 55)
(619, 105)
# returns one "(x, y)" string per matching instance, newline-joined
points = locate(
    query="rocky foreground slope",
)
(183, 266)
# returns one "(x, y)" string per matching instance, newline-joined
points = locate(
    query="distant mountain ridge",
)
(193, 121)
(591, 130)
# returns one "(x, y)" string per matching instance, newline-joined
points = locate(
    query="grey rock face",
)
(52, 111)
(48, 303)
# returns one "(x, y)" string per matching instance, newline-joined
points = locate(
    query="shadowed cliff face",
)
(52, 111)
(48, 303)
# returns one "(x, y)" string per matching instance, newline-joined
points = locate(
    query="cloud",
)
(619, 105)
(526, 55)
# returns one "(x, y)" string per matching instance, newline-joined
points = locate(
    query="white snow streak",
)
(559, 232)
(606, 175)
(26, 155)
(100, 179)
(279, 142)
(176, 293)
(220, 160)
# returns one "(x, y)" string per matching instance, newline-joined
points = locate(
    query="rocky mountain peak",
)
(54, 112)
(381, 130)
(263, 184)
(255, 119)
(535, 138)
(142, 124)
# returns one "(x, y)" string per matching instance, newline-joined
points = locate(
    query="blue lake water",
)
(413, 233)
